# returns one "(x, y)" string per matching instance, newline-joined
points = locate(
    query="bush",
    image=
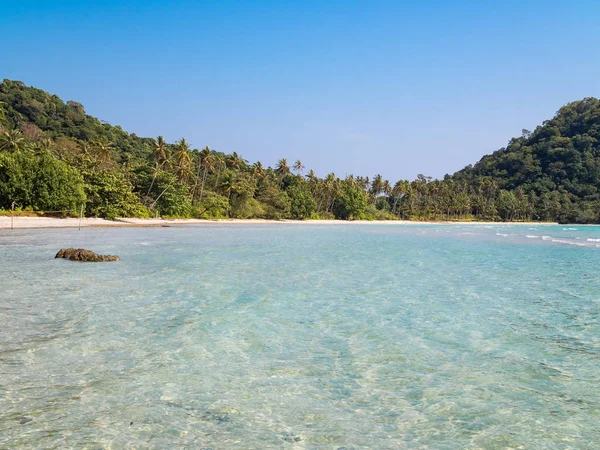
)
(110, 195)
(41, 182)
(302, 203)
(351, 204)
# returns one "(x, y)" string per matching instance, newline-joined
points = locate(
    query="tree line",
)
(55, 157)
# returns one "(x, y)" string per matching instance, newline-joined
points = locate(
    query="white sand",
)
(50, 222)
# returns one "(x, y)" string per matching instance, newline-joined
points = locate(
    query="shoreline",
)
(28, 222)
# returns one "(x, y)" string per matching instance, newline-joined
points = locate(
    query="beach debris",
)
(81, 254)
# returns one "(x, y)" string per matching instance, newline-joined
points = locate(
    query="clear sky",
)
(365, 87)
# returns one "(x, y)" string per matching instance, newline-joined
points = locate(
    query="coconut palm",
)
(3, 120)
(376, 186)
(183, 160)
(102, 150)
(282, 168)
(298, 167)
(235, 161)
(12, 141)
(219, 164)
(257, 170)
(160, 151)
(44, 146)
(155, 172)
(229, 183)
(205, 162)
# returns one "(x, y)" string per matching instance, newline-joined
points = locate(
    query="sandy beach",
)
(22, 222)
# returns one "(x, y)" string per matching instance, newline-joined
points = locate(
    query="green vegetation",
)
(55, 157)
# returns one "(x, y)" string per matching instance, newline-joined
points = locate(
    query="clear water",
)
(302, 336)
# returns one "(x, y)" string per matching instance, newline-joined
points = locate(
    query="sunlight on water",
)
(302, 336)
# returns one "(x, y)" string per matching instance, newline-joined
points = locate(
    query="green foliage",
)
(212, 206)
(41, 182)
(275, 203)
(47, 145)
(351, 204)
(247, 208)
(110, 194)
(561, 156)
(302, 203)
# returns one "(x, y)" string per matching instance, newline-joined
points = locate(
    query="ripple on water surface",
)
(310, 336)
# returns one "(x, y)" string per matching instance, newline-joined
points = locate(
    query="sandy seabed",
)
(6, 222)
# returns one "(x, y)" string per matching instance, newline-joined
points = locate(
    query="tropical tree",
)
(298, 167)
(3, 120)
(282, 168)
(235, 161)
(206, 160)
(183, 161)
(12, 141)
(160, 152)
(102, 150)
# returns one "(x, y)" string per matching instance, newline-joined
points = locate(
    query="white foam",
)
(501, 234)
(546, 238)
(532, 236)
(592, 240)
(562, 241)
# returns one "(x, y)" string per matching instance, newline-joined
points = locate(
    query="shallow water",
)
(302, 336)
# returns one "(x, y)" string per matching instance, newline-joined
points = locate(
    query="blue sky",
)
(365, 87)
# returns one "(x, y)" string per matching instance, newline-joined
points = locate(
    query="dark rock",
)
(24, 420)
(80, 254)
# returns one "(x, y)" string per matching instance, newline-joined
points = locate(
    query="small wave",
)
(532, 236)
(144, 243)
(562, 241)
(592, 240)
(546, 238)
(569, 229)
(501, 234)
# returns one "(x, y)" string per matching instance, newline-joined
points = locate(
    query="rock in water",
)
(81, 254)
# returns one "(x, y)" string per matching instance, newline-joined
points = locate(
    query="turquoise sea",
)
(353, 336)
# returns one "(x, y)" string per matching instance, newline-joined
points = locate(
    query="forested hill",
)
(560, 156)
(55, 157)
(33, 111)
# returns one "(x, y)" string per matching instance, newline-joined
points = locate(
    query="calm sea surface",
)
(302, 336)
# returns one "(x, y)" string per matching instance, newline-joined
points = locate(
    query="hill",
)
(560, 156)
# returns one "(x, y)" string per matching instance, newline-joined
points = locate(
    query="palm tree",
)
(160, 152)
(161, 159)
(205, 161)
(155, 172)
(102, 149)
(235, 161)
(282, 168)
(298, 167)
(44, 146)
(229, 183)
(12, 141)
(376, 186)
(3, 120)
(183, 160)
(386, 188)
(220, 165)
(399, 191)
(257, 170)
